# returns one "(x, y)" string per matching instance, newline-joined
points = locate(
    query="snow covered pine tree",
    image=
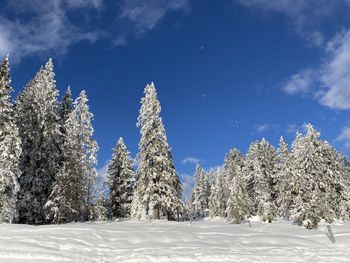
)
(82, 130)
(39, 129)
(10, 148)
(239, 205)
(64, 203)
(261, 169)
(158, 187)
(200, 193)
(120, 178)
(216, 200)
(317, 179)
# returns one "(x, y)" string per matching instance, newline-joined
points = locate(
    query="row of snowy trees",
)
(47, 152)
(48, 158)
(306, 184)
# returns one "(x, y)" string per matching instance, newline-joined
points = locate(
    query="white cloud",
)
(41, 26)
(191, 160)
(332, 78)
(330, 82)
(304, 15)
(265, 127)
(187, 186)
(144, 15)
(260, 128)
(345, 137)
(335, 73)
(300, 82)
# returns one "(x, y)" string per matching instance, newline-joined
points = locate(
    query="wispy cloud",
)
(300, 82)
(266, 127)
(305, 16)
(329, 83)
(41, 26)
(260, 128)
(144, 15)
(191, 160)
(335, 73)
(345, 137)
(141, 16)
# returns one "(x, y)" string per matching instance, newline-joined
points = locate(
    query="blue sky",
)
(227, 72)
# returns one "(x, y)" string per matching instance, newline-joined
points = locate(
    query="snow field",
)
(162, 241)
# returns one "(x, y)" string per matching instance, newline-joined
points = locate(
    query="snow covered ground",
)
(161, 241)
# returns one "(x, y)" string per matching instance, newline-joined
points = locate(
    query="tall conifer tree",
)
(62, 206)
(10, 148)
(261, 171)
(80, 123)
(39, 129)
(157, 186)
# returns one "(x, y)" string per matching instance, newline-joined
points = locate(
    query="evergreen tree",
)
(283, 198)
(10, 148)
(62, 206)
(233, 166)
(85, 149)
(39, 130)
(98, 212)
(59, 207)
(120, 177)
(157, 186)
(283, 152)
(262, 169)
(342, 202)
(238, 204)
(200, 192)
(318, 188)
(177, 207)
(216, 203)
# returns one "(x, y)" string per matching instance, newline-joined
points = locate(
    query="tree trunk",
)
(156, 212)
(330, 234)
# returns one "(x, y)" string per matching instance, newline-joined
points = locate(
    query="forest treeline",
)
(48, 175)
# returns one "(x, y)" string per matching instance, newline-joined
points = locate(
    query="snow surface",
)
(162, 241)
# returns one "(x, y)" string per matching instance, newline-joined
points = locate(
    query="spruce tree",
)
(283, 182)
(62, 205)
(98, 212)
(59, 207)
(233, 166)
(262, 169)
(200, 192)
(66, 108)
(120, 178)
(216, 202)
(157, 186)
(318, 188)
(10, 148)
(39, 129)
(85, 148)
(238, 204)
